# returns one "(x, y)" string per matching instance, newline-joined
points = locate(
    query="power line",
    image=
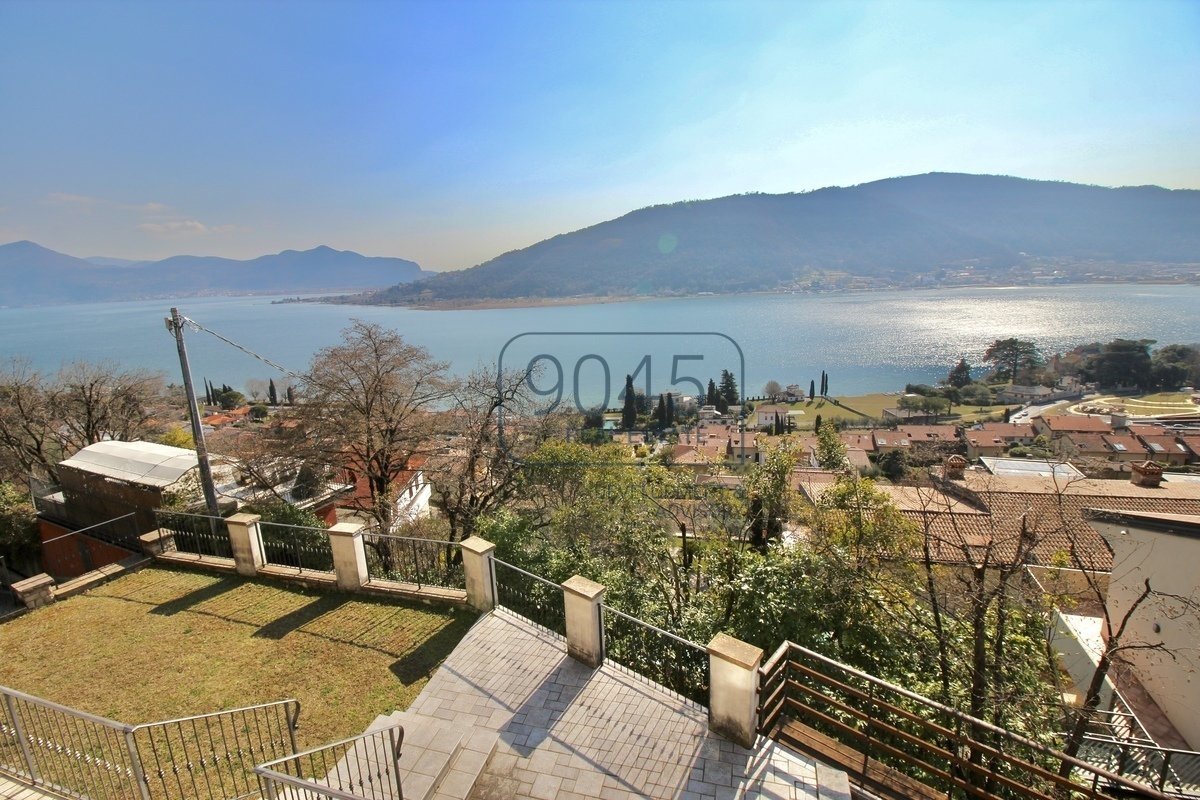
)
(197, 326)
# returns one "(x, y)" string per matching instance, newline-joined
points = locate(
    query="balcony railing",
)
(889, 737)
(363, 767)
(659, 655)
(530, 596)
(198, 534)
(81, 755)
(296, 546)
(405, 559)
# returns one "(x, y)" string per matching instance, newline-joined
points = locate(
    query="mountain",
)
(103, 261)
(31, 274)
(887, 232)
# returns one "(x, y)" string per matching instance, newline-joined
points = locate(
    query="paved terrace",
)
(567, 731)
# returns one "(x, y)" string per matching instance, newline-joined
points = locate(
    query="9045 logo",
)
(589, 373)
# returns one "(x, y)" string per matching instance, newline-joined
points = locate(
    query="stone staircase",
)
(438, 760)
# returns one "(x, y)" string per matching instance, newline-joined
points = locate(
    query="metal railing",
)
(90, 757)
(199, 534)
(365, 767)
(668, 660)
(847, 714)
(530, 596)
(296, 546)
(424, 562)
(1174, 772)
(214, 755)
(71, 752)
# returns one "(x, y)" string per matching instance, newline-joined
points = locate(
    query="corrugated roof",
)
(144, 463)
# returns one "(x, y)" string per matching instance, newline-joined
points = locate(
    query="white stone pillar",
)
(733, 688)
(581, 602)
(349, 555)
(478, 557)
(246, 543)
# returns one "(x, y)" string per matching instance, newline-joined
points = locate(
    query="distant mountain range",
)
(885, 232)
(33, 275)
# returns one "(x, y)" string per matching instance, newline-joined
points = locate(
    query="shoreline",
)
(588, 300)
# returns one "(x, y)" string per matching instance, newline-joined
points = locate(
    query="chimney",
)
(954, 466)
(1118, 421)
(1146, 474)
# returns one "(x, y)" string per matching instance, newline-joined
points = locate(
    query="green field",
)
(859, 408)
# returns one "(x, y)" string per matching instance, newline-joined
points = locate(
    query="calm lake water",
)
(867, 342)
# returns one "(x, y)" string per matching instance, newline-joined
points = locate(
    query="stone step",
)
(456, 753)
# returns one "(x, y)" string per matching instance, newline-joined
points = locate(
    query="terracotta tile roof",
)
(1162, 444)
(930, 433)
(1015, 430)
(1073, 422)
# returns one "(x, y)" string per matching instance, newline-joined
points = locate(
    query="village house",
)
(766, 415)
(1054, 427)
(410, 487)
(1157, 550)
(995, 438)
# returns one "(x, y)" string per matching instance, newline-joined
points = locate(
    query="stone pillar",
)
(733, 688)
(478, 557)
(581, 602)
(158, 542)
(35, 592)
(246, 543)
(349, 555)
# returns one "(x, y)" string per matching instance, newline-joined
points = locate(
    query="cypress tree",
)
(272, 396)
(660, 413)
(711, 399)
(291, 397)
(670, 418)
(629, 410)
(812, 390)
(817, 423)
(728, 388)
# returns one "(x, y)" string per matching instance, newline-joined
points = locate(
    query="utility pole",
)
(175, 325)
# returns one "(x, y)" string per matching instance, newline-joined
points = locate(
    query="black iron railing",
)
(530, 596)
(668, 660)
(198, 534)
(296, 546)
(405, 559)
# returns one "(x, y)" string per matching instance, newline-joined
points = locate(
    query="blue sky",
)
(451, 132)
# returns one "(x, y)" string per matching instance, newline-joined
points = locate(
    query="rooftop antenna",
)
(175, 324)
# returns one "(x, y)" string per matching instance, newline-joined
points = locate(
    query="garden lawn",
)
(163, 643)
(855, 409)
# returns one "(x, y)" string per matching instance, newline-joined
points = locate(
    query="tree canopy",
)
(1012, 359)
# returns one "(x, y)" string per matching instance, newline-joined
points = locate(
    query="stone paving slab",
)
(10, 790)
(567, 731)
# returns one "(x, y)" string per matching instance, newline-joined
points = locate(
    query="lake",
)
(868, 342)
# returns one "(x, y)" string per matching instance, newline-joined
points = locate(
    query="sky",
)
(452, 132)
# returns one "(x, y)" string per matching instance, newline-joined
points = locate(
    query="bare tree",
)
(492, 425)
(256, 388)
(43, 421)
(366, 405)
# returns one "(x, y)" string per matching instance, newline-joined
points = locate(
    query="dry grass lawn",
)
(164, 643)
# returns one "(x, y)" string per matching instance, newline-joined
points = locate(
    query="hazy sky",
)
(452, 132)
